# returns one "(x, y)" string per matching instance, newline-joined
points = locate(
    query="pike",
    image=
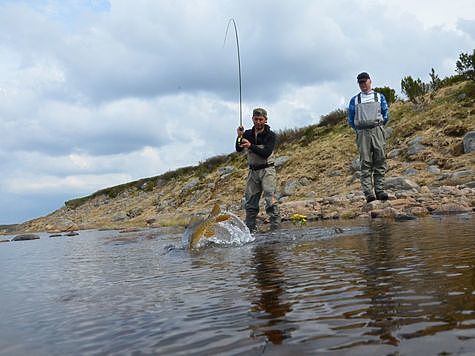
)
(200, 229)
(239, 65)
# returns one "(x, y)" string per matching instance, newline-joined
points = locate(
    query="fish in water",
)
(199, 229)
(222, 228)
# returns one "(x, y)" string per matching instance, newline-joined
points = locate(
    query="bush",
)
(414, 89)
(435, 82)
(389, 94)
(293, 135)
(335, 117)
(466, 65)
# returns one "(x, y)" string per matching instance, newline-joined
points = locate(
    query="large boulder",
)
(61, 224)
(280, 161)
(469, 142)
(400, 183)
(26, 237)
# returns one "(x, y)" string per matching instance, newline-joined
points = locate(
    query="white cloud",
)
(93, 94)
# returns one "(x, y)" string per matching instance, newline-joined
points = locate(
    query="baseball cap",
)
(259, 112)
(362, 77)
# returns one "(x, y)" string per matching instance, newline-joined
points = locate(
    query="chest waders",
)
(370, 139)
(261, 180)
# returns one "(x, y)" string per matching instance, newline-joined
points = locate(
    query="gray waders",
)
(370, 139)
(370, 144)
(261, 180)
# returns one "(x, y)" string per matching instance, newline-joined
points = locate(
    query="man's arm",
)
(351, 113)
(384, 109)
(268, 148)
(240, 135)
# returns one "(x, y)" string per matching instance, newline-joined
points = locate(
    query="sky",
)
(97, 93)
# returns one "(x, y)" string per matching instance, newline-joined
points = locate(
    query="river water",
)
(372, 287)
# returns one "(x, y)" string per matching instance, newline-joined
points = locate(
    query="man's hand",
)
(245, 143)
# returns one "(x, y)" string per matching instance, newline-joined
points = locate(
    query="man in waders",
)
(259, 143)
(367, 114)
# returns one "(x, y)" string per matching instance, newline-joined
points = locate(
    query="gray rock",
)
(356, 164)
(400, 216)
(415, 148)
(211, 185)
(462, 173)
(192, 183)
(160, 182)
(394, 153)
(334, 173)
(388, 131)
(134, 212)
(26, 237)
(290, 187)
(443, 176)
(433, 170)
(469, 142)
(410, 171)
(119, 216)
(280, 161)
(226, 170)
(451, 208)
(61, 224)
(400, 183)
(469, 184)
(415, 140)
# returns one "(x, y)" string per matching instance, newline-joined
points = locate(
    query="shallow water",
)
(371, 288)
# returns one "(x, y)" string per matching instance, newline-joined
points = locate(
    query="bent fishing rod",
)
(239, 67)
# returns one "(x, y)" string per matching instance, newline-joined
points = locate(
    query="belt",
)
(365, 127)
(256, 167)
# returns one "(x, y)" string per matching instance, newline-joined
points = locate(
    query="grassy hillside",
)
(319, 163)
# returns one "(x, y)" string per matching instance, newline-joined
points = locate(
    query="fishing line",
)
(239, 65)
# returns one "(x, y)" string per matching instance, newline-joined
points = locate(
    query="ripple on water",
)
(378, 288)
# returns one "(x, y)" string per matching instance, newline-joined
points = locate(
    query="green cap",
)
(259, 112)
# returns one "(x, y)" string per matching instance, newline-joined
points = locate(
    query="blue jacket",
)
(367, 97)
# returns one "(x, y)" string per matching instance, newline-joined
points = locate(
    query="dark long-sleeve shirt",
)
(267, 138)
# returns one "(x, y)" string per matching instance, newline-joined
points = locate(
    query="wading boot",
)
(382, 196)
(370, 198)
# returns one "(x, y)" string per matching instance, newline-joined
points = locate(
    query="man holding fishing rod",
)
(259, 143)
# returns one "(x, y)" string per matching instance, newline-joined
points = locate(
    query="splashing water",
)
(232, 232)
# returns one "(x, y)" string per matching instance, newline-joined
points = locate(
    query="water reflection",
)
(379, 289)
(380, 285)
(270, 308)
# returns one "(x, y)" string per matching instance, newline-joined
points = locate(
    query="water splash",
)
(232, 232)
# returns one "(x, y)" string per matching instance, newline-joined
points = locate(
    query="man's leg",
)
(363, 141)
(379, 163)
(253, 195)
(269, 189)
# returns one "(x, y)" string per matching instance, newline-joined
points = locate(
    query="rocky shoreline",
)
(430, 159)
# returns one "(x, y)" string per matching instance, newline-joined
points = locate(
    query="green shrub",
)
(414, 89)
(466, 65)
(453, 79)
(435, 82)
(389, 94)
(287, 136)
(335, 117)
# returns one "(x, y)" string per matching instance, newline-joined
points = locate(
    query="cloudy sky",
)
(95, 93)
